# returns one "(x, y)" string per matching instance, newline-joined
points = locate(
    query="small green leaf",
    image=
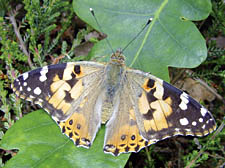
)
(171, 39)
(41, 144)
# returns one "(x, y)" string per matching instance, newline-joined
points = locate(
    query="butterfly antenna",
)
(149, 21)
(100, 28)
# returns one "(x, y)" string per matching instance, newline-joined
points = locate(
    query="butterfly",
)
(138, 108)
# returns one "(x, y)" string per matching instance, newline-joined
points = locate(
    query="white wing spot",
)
(43, 73)
(25, 84)
(32, 97)
(203, 111)
(188, 130)
(25, 75)
(159, 91)
(21, 89)
(203, 127)
(42, 78)
(184, 121)
(189, 133)
(200, 120)
(177, 129)
(194, 123)
(40, 100)
(37, 91)
(160, 81)
(154, 140)
(165, 137)
(39, 103)
(28, 89)
(183, 106)
(184, 101)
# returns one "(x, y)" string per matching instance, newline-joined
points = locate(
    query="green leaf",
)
(41, 144)
(171, 39)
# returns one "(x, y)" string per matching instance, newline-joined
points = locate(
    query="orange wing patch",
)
(67, 88)
(153, 108)
(76, 129)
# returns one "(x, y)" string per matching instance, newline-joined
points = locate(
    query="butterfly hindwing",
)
(62, 91)
(122, 133)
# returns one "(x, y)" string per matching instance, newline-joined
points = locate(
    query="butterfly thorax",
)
(115, 72)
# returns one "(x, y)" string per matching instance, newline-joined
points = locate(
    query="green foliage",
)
(76, 42)
(10, 48)
(194, 154)
(169, 40)
(216, 55)
(38, 132)
(211, 150)
(3, 6)
(218, 21)
(38, 23)
(42, 20)
(5, 107)
(212, 70)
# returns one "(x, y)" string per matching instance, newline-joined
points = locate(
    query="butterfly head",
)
(118, 57)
